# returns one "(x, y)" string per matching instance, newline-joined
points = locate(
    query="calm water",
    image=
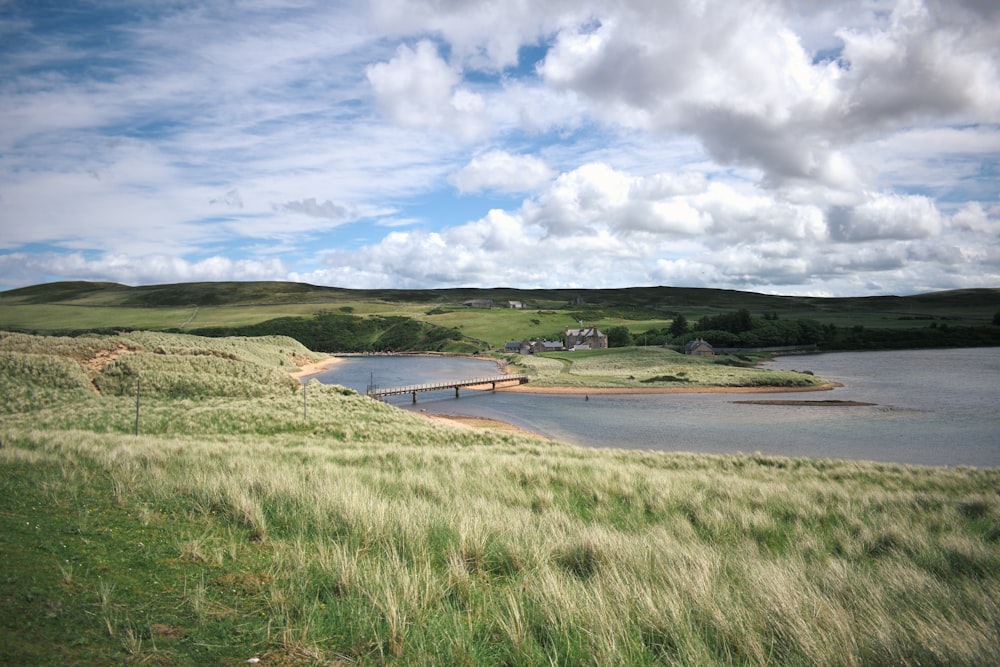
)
(934, 407)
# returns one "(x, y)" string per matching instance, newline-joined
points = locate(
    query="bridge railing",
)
(447, 384)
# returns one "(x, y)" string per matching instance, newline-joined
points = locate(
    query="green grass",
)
(61, 307)
(62, 317)
(236, 526)
(647, 367)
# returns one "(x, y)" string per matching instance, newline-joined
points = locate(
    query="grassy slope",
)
(66, 306)
(234, 526)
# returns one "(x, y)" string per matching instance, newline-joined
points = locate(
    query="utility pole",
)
(138, 392)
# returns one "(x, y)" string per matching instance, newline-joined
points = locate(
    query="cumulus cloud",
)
(502, 171)
(419, 89)
(678, 229)
(886, 217)
(926, 61)
(844, 147)
(743, 82)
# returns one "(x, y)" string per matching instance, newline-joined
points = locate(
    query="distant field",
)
(79, 306)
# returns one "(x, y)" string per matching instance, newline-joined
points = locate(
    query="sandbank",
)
(581, 391)
(826, 404)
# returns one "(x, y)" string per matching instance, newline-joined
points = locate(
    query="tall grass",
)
(29, 380)
(361, 534)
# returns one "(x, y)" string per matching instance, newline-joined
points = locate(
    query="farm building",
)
(585, 338)
(532, 346)
(478, 303)
(699, 348)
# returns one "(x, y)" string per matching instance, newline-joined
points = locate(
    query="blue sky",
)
(821, 148)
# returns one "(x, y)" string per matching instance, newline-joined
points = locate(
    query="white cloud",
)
(486, 34)
(673, 229)
(744, 84)
(927, 61)
(845, 147)
(420, 90)
(973, 217)
(503, 171)
(886, 217)
(138, 270)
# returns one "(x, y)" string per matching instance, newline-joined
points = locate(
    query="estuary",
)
(930, 407)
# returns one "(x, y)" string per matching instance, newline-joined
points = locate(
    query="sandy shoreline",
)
(315, 368)
(483, 423)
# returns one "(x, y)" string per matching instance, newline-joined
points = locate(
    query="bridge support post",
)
(456, 392)
(414, 398)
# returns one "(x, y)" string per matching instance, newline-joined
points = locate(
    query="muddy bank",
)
(828, 404)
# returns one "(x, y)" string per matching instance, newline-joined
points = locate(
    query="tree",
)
(619, 337)
(734, 322)
(679, 326)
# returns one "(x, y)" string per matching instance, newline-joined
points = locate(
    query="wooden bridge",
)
(493, 381)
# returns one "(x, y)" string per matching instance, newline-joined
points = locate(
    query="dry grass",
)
(366, 535)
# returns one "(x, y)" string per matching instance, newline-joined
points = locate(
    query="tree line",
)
(741, 329)
(329, 331)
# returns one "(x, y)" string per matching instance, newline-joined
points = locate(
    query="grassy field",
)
(61, 307)
(250, 519)
(648, 368)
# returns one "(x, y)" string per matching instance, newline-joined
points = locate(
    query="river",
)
(932, 407)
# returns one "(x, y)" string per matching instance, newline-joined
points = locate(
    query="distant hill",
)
(653, 298)
(338, 319)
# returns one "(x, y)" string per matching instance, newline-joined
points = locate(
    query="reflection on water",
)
(933, 407)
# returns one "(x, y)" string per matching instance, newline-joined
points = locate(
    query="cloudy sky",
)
(822, 148)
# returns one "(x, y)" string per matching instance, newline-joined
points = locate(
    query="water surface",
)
(933, 407)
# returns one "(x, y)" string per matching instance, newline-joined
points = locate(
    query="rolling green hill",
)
(232, 307)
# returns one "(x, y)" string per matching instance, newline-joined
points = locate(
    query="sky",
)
(802, 148)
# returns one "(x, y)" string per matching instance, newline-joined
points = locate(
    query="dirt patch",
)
(246, 583)
(96, 363)
(166, 631)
